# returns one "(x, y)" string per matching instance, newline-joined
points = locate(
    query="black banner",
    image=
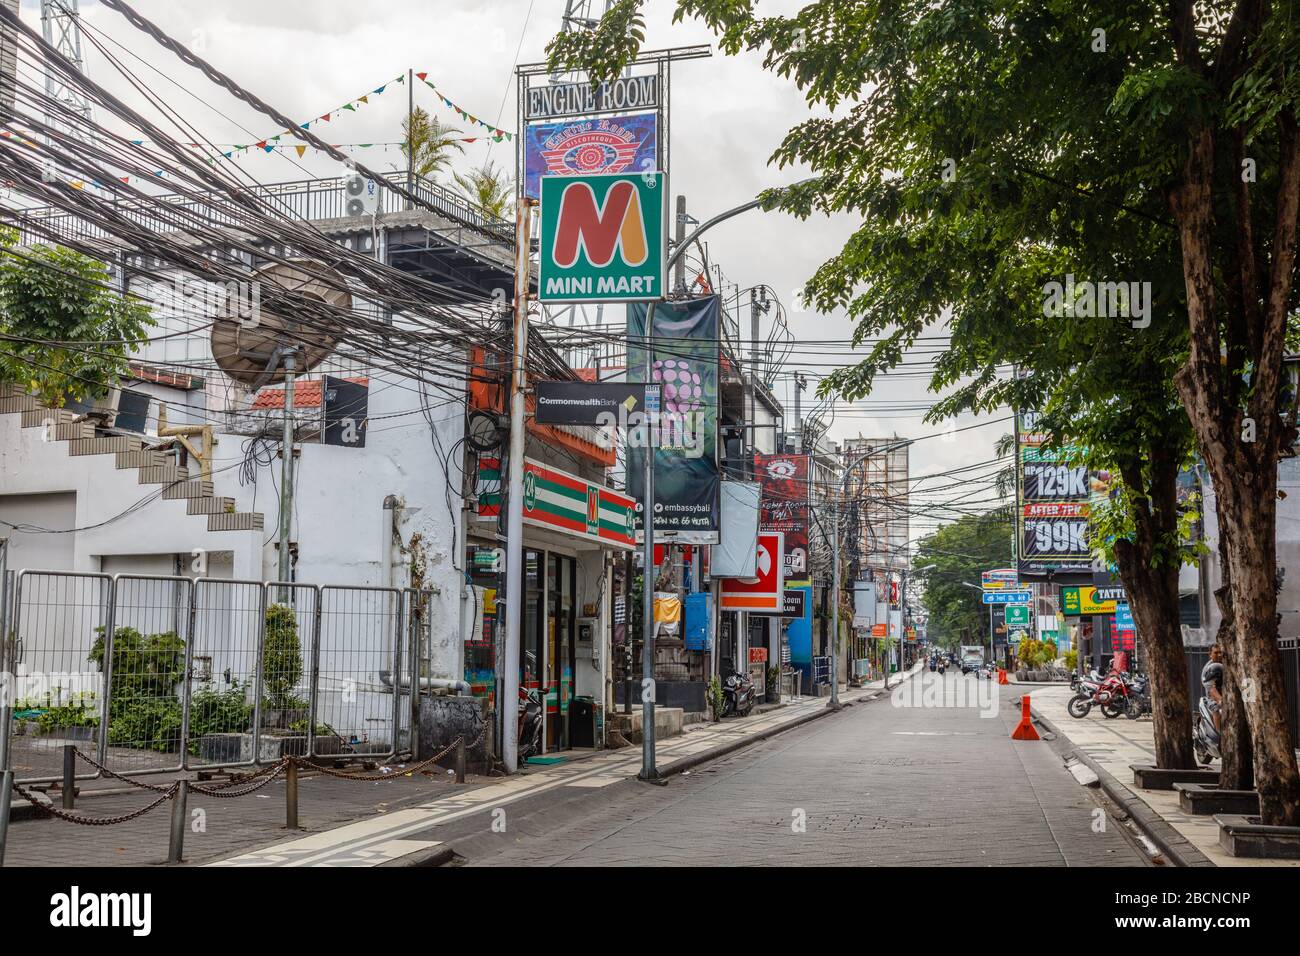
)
(583, 403)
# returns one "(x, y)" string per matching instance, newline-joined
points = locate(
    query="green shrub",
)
(281, 659)
(78, 714)
(219, 712)
(143, 665)
(716, 700)
(1071, 659)
(147, 723)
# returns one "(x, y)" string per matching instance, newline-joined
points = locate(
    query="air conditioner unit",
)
(360, 196)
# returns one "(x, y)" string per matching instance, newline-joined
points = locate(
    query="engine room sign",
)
(557, 100)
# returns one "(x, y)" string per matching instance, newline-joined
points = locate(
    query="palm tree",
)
(429, 143)
(490, 188)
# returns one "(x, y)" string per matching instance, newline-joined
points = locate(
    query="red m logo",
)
(598, 232)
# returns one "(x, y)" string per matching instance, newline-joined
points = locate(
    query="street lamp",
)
(648, 770)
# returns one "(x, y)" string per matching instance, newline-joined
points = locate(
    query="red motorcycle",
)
(1111, 694)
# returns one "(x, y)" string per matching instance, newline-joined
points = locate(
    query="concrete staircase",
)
(153, 467)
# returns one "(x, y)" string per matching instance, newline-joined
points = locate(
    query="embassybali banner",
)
(609, 144)
(684, 429)
(785, 506)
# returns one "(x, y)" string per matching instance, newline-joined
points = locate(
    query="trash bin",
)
(582, 722)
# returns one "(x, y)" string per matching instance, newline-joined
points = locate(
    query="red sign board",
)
(758, 655)
(784, 479)
(764, 592)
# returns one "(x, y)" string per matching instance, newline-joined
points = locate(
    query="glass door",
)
(561, 624)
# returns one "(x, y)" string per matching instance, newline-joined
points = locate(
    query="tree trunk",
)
(1152, 585)
(1255, 653)
(1236, 771)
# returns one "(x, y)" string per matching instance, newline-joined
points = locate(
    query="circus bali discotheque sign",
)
(612, 144)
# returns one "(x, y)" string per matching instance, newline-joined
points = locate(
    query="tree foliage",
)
(959, 552)
(429, 143)
(63, 332)
(490, 188)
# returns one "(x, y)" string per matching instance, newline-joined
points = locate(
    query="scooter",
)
(737, 695)
(530, 723)
(942, 667)
(1205, 739)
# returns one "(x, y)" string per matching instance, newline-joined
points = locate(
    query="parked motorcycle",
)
(1111, 694)
(530, 722)
(1205, 739)
(737, 695)
(1139, 697)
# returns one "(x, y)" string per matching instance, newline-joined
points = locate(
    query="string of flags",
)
(497, 134)
(273, 143)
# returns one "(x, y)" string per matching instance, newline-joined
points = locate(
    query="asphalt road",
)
(932, 779)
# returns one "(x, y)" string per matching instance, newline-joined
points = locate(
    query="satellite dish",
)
(253, 338)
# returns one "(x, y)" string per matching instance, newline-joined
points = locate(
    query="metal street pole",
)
(509, 702)
(648, 771)
(286, 464)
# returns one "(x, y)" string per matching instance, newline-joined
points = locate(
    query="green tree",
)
(954, 556)
(991, 144)
(63, 333)
(429, 143)
(490, 188)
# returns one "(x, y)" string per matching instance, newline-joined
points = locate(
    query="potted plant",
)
(281, 670)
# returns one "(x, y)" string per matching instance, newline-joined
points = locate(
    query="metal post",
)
(509, 701)
(286, 466)
(648, 771)
(176, 844)
(410, 139)
(679, 236)
(460, 759)
(6, 800)
(69, 776)
(291, 796)
(835, 590)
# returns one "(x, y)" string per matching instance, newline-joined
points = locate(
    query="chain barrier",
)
(117, 776)
(224, 791)
(95, 821)
(373, 777)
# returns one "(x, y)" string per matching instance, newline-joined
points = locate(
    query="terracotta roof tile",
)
(307, 393)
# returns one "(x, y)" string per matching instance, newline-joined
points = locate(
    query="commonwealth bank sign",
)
(602, 238)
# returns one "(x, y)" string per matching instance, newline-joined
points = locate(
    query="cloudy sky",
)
(306, 57)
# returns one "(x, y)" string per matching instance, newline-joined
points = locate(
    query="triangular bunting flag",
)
(349, 106)
(363, 99)
(301, 150)
(380, 90)
(422, 75)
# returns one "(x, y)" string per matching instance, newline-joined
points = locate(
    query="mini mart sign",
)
(559, 501)
(602, 238)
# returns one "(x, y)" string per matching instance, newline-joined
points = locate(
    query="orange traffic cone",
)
(1025, 729)
(1002, 676)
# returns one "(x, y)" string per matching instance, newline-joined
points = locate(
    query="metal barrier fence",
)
(821, 670)
(152, 673)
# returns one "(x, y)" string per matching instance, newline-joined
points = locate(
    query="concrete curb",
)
(439, 855)
(1177, 848)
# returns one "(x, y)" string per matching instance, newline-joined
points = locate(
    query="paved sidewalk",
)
(1114, 745)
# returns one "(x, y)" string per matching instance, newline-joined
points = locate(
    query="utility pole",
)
(509, 702)
(290, 357)
(799, 384)
(679, 236)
